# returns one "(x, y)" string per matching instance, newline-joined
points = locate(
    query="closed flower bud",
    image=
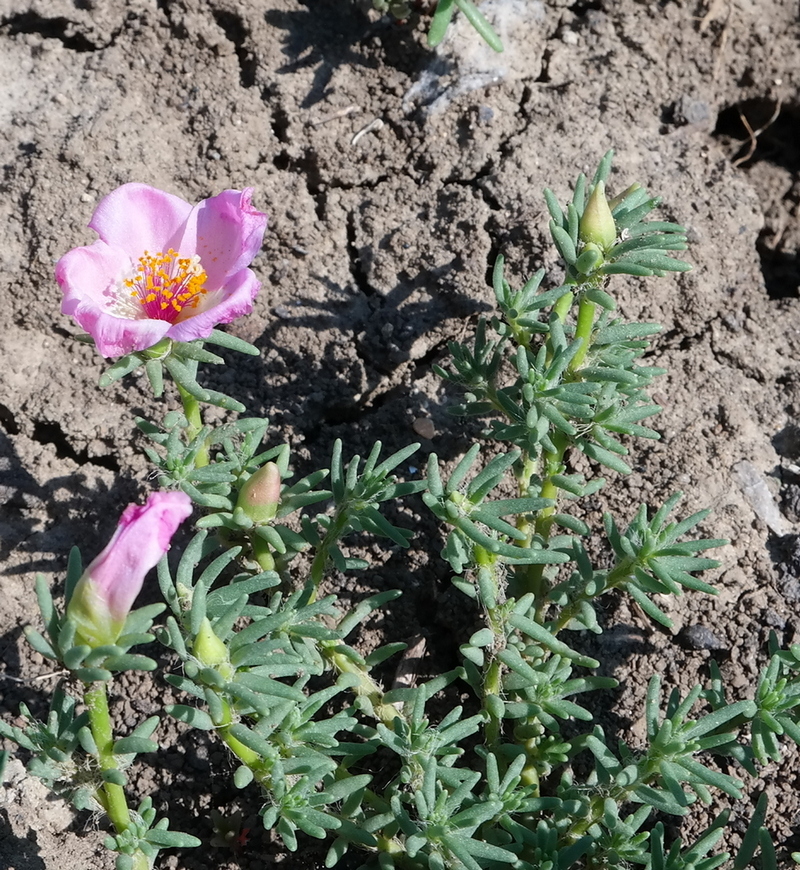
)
(597, 223)
(105, 593)
(260, 496)
(211, 651)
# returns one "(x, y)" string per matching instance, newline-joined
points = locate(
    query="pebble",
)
(424, 427)
(701, 637)
(689, 110)
(774, 619)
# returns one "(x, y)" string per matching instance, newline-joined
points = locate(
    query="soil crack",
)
(60, 28)
(52, 433)
(356, 268)
(238, 33)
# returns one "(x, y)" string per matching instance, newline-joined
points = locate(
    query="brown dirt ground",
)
(377, 255)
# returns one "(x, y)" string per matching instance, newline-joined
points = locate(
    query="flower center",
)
(163, 286)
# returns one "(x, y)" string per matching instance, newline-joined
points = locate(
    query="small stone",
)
(424, 427)
(692, 111)
(701, 637)
(774, 619)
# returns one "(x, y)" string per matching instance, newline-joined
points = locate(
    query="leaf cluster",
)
(146, 836)
(180, 360)
(642, 248)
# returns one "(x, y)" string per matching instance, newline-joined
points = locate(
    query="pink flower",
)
(105, 593)
(162, 268)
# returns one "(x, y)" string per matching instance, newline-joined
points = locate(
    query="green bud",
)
(211, 651)
(260, 496)
(597, 223)
(262, 553)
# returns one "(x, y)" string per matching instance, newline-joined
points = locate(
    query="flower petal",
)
(92, 271)
(139, 218)
(117, 336)
(226, 232)
(235, 300)
(141, 539)
(90, 280)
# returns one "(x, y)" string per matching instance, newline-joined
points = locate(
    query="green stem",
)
(191, 408)
(492, 686)
(320, 562)
(111, 796)
(615, 577)
(492, 597)
(246, 755)
(583, 331)
(562, 307)
(530, 578)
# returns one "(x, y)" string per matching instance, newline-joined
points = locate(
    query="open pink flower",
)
(105, 593)
(162, 268)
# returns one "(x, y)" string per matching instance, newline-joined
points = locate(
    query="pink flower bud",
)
(261, 494)
(105, 593)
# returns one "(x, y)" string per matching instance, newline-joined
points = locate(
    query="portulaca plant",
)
(519, 775)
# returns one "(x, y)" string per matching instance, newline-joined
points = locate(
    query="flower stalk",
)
(191, 408)
(110, 795)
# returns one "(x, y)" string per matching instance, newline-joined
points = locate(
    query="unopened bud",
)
(260, 496)
(104, 595)
(211, 651)
(597, 223)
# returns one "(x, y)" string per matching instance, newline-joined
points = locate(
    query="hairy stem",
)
(335, 531)
(366, 687)
(530, 578)
(111, 796)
